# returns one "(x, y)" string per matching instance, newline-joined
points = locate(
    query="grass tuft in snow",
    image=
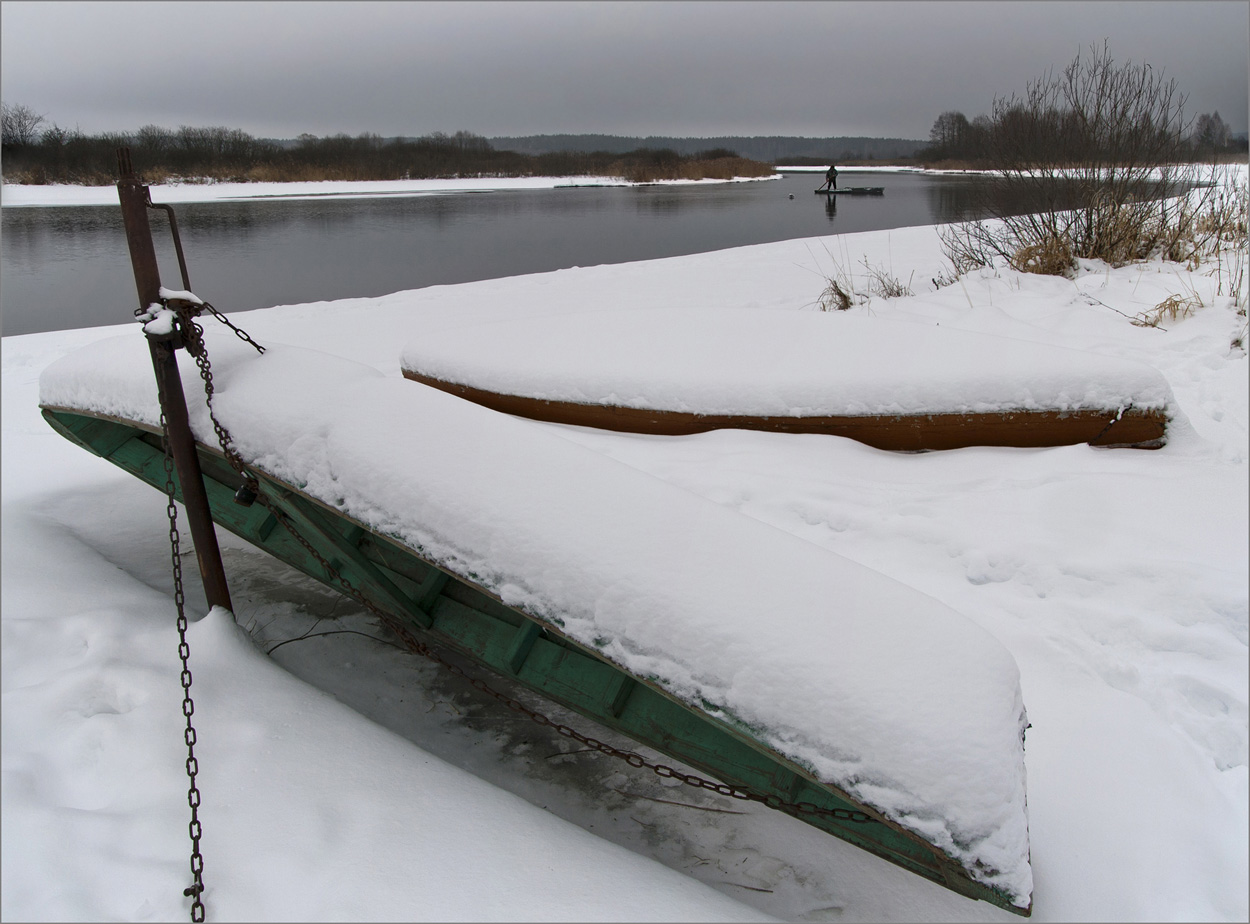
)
(1051, 256)
(834, 297)
(1172, 308)
(883, 283)
(840, 293)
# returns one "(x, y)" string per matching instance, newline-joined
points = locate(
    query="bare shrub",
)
(969, 246)
(1224, 219)
(1239, 252)
(1217, 224)
(1096, 157)
(19, 124)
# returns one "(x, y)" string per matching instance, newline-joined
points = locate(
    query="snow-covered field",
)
(343, 779)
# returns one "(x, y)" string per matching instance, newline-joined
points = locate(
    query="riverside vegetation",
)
(36, 155)
(1110, 171)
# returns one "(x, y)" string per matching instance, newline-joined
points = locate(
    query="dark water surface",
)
(68, 267)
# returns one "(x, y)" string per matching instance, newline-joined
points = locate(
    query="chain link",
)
(241, 334)
(193, 334)
(413, 644)
(196, 889)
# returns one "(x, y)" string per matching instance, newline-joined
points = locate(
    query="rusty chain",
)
(241, 334)
(196, 889)
(250, 492)
(193, 335)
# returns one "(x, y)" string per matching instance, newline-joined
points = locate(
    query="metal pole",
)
(134, 202)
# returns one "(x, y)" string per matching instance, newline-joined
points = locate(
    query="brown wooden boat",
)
(892, 385)
(1140, 429)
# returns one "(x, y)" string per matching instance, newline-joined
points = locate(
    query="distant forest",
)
(37, 153)
(776, 149)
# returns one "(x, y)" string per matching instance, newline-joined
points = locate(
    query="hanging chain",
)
(196, 889)
(251, 486)
(241, 334)
(193, 334)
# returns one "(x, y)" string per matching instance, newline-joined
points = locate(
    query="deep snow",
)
(801, 364)
(1116, 578)
(922, 719)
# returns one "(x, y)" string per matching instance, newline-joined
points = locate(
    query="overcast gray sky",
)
(881, 69)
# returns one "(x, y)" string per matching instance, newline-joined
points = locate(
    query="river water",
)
(68, 267)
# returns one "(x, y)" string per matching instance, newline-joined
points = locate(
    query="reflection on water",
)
(954, 201)
(69, 267)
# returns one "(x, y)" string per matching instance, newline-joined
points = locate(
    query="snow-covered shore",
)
(1117, 579)
(18, 195)
(15, 195)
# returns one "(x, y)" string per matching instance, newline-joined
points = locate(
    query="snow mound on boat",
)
(776, 363)
(890, 695)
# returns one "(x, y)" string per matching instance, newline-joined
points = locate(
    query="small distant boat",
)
(852, 191)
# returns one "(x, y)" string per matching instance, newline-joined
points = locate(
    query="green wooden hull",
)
(449, 611)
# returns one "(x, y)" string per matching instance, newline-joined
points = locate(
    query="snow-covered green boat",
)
(789, 674)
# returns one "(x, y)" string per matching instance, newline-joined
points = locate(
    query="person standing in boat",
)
(831, 177)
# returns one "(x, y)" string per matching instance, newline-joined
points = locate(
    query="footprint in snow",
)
(979, 568)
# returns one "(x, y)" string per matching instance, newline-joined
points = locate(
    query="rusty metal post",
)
(134, 202)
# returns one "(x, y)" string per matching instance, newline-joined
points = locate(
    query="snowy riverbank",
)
(15, 195)
(1116, 578)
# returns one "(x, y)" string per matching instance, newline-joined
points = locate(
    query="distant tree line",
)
(37, 152)
(1057, 133)
(778, 149)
